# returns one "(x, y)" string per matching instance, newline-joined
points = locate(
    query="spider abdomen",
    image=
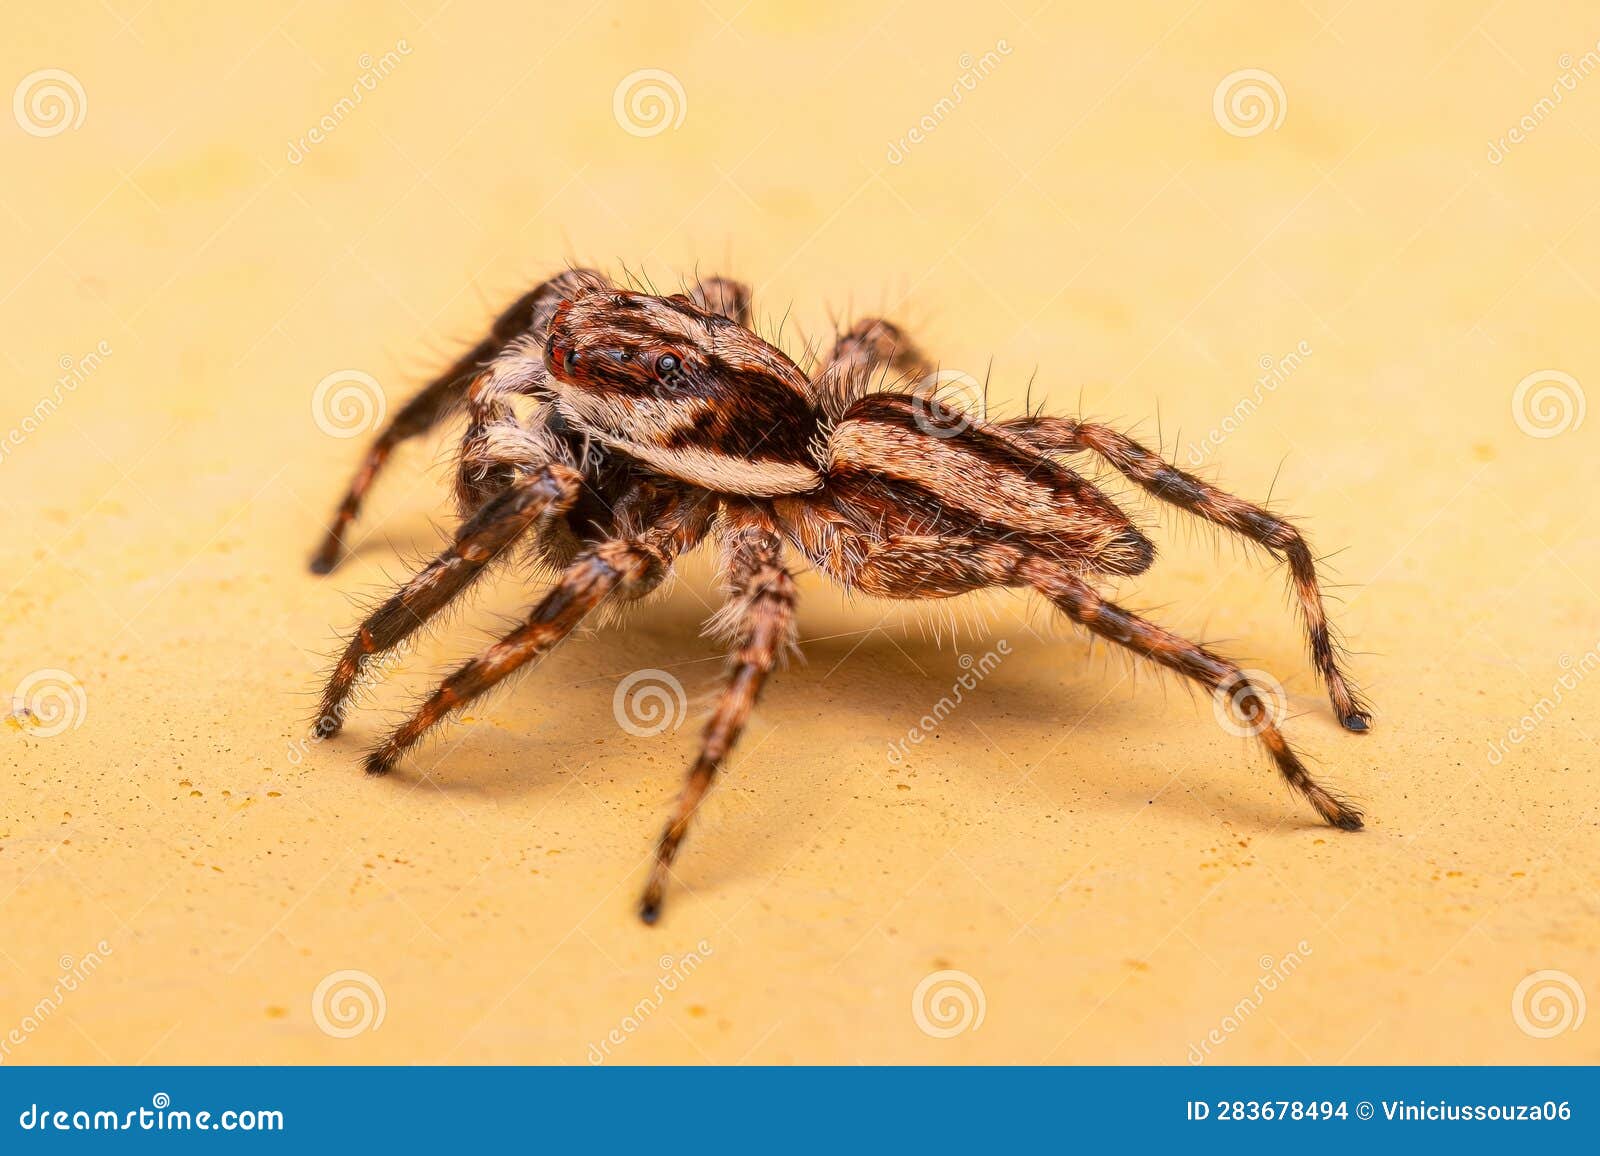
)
(907, 464)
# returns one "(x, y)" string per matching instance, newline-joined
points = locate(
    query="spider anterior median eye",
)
(666, 364)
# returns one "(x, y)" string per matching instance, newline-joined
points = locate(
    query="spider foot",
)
(381, 760)
(1337, 812)
(1357, 722)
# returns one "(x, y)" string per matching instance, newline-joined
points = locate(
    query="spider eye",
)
(667, 364)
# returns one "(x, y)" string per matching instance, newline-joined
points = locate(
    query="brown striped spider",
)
(660, 421)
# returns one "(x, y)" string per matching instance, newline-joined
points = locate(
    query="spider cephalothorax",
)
(657, 421)
(686, 391)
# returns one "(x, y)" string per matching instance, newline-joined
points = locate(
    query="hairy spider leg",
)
(1280, 538)
(1081, 603)
(438, 399)
(758, 619)
(480, 540)
(629, 566)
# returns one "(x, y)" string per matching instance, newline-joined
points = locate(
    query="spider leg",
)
(438, 399)
(1167, 482)
(920, 566)
(1080, 602)
(419, 415)
(759, 619)
(723, 295)
(481, 539)
(496, 442)
(628, 566)
(864, 359)
(1045, 435)
(873, 343)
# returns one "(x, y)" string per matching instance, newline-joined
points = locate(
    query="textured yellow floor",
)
(1110, 870)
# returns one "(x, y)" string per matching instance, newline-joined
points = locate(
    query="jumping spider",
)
(657, 421)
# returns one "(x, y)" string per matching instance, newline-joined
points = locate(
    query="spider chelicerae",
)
(650, 423)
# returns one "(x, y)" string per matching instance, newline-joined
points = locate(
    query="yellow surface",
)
(1080, 838)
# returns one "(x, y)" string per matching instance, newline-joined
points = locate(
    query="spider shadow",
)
(1049, 717)
(1106, 772)
(1080, 745)
(402, 540)
(1023, 689)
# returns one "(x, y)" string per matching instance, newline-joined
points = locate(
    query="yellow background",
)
(1080, 838)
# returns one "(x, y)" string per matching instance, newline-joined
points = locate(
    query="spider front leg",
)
(496, 441)
(759, 618)
(419, 415)
(1167, 482)
(439, 398)
(1080, 602)
(627, 566)
(481, 539)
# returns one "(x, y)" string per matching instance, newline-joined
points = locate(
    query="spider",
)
(659, 421)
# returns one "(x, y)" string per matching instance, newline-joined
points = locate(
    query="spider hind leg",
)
(1081, 603)
(1279, 537)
